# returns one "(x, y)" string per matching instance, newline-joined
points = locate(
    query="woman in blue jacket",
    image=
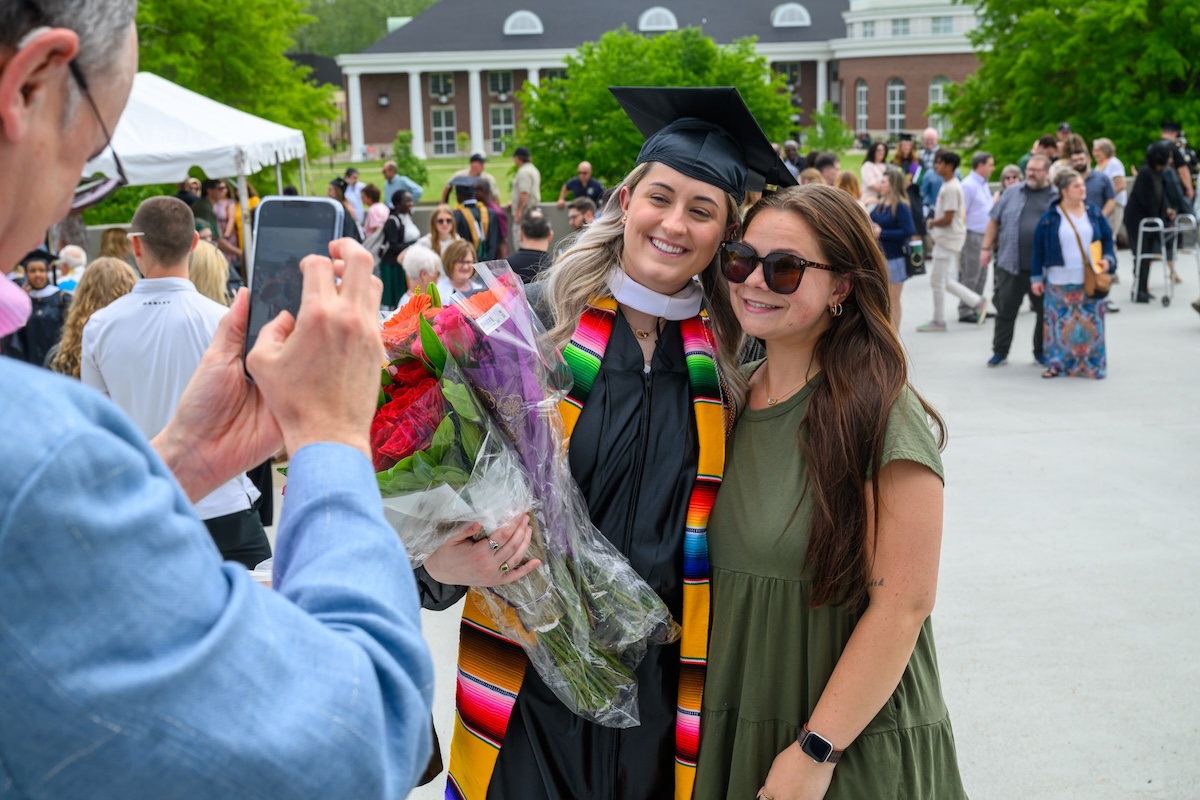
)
(1074, 326)
(892, 221)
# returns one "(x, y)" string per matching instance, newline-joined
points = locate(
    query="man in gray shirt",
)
(1011, 227)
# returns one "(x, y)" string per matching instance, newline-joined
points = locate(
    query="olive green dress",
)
(770, 655)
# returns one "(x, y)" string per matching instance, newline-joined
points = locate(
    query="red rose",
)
(406, 424)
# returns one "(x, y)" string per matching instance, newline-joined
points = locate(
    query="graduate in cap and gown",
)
(50, 305)
(641, 310)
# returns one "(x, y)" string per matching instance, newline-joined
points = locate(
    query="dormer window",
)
(657, 19)
(790, 15)
(523, 23)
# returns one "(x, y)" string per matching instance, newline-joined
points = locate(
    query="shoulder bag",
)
(1096, 282)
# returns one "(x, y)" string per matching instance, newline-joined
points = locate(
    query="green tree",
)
(828, 133)
(1111, 68)
(568, 120)
(234, 54)
(350, 26)
(407, 163)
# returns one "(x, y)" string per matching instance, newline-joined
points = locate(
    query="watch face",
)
(817, 748)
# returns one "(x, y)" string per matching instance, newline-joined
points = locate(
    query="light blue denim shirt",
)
(133, 663)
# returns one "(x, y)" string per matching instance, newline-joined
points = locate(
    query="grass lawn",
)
(440, 170)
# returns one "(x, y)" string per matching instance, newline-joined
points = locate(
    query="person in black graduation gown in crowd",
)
(32, 343)
(639, 278)
(473, 220)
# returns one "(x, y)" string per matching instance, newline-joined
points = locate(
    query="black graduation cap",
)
(465, 181)
(707, 133)
(904, 137)
(41, 254)
(1170, 127)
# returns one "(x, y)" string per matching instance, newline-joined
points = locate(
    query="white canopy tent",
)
(166, 129)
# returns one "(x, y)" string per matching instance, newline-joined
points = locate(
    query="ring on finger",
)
(504, 567)
(494, 545)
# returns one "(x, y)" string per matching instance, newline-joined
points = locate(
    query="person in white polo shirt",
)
(142, 349)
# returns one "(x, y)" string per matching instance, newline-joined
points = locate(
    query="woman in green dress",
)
(826, 534)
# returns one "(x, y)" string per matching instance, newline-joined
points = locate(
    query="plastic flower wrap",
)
(585, 617)
(440, 462)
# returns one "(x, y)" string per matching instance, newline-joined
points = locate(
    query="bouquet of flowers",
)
(479, 438)
(439, 460)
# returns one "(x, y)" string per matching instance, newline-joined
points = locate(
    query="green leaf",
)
(472, 439)
(443, 440)
(423, 465)
(435, 353)
(461, 400)
(435, 295)
(453, 476)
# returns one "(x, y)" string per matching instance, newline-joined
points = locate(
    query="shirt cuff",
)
(328, 467)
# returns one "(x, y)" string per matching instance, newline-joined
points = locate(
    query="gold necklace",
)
(767, 380)
(641, 334)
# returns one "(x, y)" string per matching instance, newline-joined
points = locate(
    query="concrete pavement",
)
(1067, 622)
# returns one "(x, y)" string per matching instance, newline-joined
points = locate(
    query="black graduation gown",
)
(42, 331)
(634, 454)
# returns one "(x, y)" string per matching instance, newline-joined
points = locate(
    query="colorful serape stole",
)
(491, 667)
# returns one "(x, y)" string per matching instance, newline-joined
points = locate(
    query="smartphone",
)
(286, 229)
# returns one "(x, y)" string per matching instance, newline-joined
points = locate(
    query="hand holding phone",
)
(286, 230)
(319, 371)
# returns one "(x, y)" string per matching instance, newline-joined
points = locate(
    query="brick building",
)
(454, 68)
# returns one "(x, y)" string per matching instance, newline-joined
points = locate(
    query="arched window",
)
(937, 96)
(523, 23)
(896, 102)
(790, 15)
(861, 118)
(657, 19)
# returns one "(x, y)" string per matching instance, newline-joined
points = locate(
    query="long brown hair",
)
(103, 281)
(863, 374)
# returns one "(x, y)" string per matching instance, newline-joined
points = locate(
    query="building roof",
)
(479, 25)
(325, 70)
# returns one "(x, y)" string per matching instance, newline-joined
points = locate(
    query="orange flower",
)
(403, 324)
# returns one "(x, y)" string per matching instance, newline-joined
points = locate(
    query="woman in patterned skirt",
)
(1074, 327)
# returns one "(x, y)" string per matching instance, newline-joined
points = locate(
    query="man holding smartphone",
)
(130, 656)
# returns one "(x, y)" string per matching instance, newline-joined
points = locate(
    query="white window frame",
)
(942, 26)
(897, 104)
(523, 23)
(506, 129)
(657, 19)
(790, 15)
(445, 144)
(868, 29)
(443, 79)
(496, 81)
(862, 115)
(901, 27)
(937, 95)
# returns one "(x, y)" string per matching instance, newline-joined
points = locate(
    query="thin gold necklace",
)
(641, 334)
(766, 386)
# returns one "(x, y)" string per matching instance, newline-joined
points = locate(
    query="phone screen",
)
(285, 231)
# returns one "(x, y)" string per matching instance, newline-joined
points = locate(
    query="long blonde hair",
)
(580, 275)
(209, 271)
(103, 281)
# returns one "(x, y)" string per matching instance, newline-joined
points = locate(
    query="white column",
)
(822, 82)
(476, 99)
(354, 111)
(416, 112)
(534, 77)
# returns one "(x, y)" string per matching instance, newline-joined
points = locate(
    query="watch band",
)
(806, 745)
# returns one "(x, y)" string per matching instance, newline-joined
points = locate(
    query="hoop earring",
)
(835, 310)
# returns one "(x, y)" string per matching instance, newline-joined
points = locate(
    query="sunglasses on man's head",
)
(781, 271)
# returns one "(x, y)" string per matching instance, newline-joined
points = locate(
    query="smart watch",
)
(817, 747)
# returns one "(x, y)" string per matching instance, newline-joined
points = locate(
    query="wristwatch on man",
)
(817, 747)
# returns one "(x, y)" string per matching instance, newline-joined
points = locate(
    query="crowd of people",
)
(786, 507)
